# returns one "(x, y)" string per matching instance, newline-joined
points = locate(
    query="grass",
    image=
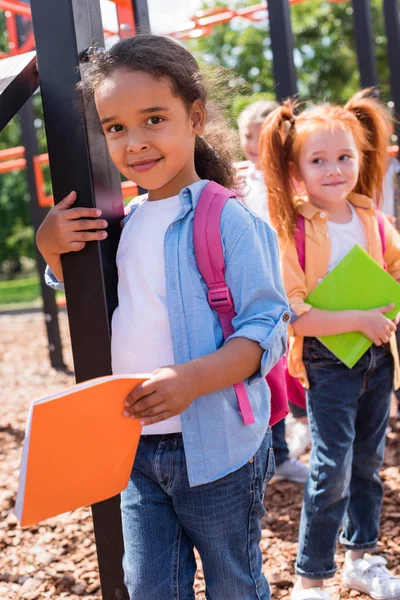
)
(20, 291)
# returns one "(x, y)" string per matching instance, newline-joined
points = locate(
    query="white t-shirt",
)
(255, 197)
(344, 236)
(141, 335)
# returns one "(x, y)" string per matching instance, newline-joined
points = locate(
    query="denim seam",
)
(308, 513)
(171, 463)
(157, 465)
(175, 564)
(309, 510)
(249, 525)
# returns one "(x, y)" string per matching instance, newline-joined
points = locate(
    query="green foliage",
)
(325, 54)
(16, 231)
(19, 290)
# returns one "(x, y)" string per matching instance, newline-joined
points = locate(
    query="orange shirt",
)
(299, 284)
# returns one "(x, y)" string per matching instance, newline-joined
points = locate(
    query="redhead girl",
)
(336, 158)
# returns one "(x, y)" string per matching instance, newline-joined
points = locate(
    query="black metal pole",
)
(141, 15)
(26, 115)
(364, 35)
(79, 160)
(392, 24)
(29, 138)
(282, 48)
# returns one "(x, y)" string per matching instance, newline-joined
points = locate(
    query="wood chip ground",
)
(57, 559)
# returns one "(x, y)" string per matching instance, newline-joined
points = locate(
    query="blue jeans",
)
(397, 392)
(281, 450)
(163, 519)
(348, 411)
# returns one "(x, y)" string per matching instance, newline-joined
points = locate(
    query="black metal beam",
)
(392, 24)
(141, 16)
(282, 48)
(79, 160)
(364, 35)
(50, 310)
(29, 139)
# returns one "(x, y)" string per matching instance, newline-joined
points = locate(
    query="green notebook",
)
(357, 282)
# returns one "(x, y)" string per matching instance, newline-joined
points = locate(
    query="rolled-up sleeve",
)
(52, 281)
(254, 279)
(294, 281)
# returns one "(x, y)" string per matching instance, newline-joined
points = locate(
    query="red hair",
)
(282, 137)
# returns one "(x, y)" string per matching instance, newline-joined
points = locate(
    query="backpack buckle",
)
(219, 297)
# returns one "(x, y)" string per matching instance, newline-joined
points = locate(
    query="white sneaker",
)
(292, 470)
(314, 593)
(299, 439)
(370, 576)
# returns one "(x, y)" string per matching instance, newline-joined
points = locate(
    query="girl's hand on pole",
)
(375, 326)
(65, 229)
(168, 392)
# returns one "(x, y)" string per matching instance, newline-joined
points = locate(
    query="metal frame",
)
(365, 45)
(282, 48)
(79, 160)
(50, 308)
(391, 12)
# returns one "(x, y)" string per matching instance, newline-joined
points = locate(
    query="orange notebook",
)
(78, 448)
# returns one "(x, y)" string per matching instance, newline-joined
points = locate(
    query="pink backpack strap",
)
(300, 240)
(211, 264)
(381, 225)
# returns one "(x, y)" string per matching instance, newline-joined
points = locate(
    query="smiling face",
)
(329, 165)
(250, 141)
(150, 133)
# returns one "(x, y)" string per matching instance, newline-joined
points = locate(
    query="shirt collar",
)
(308, 210)
(191, 193)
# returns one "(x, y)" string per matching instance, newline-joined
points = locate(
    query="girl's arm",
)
(64, 229)
(372, 323)
(172, 389)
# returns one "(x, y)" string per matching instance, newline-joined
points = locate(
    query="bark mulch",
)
(57, 558)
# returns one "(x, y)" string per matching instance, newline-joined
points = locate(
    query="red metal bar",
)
(15, 7)
(126, 20)
(9, 153)
(12, 32)
(12, 165)
(129, 189)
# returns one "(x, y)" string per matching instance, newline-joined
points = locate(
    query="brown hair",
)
(162, 57)
(282, 138)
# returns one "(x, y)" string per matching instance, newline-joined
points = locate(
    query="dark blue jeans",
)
(348, 411)
(164, 519)
(397, 392)
(281, 450)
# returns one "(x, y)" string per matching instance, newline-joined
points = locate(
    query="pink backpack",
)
(210, 262)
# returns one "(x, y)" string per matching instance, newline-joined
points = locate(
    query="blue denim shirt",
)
(215, 439)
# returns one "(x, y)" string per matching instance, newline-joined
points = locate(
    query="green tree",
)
(325, 54)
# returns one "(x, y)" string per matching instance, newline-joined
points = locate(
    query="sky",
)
(164, 14)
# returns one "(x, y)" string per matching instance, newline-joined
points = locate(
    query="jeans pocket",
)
(270, 469)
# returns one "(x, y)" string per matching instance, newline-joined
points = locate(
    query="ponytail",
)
(374, 120)
(276, 143)
(214, 154)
